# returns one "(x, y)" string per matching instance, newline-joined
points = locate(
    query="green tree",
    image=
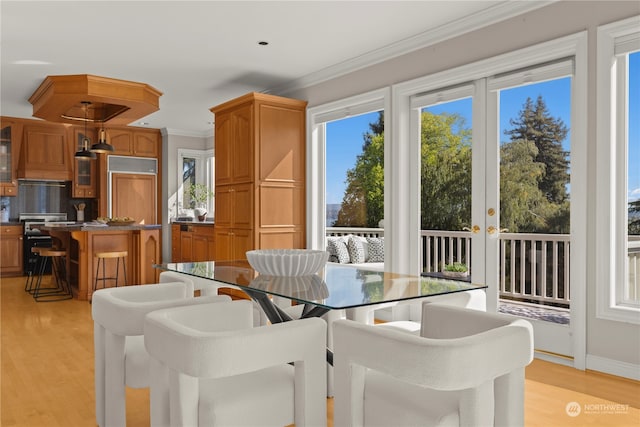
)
(446, 172)
(520, 197)
(363, 200)
(534, 123)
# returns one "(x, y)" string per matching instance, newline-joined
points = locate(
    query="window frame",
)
(205, 171)
(611, 162)
(317, 117)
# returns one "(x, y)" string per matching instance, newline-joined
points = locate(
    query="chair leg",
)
(124, 267)
(62, 289)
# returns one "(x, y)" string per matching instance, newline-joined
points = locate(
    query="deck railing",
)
(533, 267)
(632, 292)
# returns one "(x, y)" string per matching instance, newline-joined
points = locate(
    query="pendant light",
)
(101, 146)
(84, 153)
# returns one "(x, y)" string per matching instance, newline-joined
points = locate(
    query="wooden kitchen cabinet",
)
(85, 170)
(45, 153)
(192, 242)
(260, 175)
(137, 142)
(11, 248)
(9, 150)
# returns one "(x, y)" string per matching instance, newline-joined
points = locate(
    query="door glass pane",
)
(445, 174)
(632, 291)
(355, 176)
(535, 193)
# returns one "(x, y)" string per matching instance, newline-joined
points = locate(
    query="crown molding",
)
(182, 132)
(489, 16)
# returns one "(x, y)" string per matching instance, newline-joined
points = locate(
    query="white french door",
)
(535, 91)
(471, 117)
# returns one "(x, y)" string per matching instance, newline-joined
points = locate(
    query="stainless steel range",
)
(33, 237)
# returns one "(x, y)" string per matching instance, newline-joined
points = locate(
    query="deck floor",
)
(533, 311)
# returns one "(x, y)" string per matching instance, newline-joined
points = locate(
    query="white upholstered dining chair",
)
(466, 368)
(212, 367)
(120, 357)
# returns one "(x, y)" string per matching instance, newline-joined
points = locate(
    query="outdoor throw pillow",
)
(376, 249)
(337, 248)
(356, 250)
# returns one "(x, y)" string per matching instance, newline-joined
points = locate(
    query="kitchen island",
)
(81, 241)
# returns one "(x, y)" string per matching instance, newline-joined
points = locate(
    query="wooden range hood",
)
(116, 102)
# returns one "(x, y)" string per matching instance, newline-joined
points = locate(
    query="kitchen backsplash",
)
(44, 197)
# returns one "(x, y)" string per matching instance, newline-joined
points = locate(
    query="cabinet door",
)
(84, 172)
(9, 150)
(224, 244)
(8, 156)
(45, 153)
(121, 140)
(186, 246)
(11, 247)
(242, 165)
(242, 205)
(234, 206)
(134, 195)
(242, 242)
(224, 150)
(201, 248)
(175, 243)
(234, 146)
(145, 144)
(204, 248)
(224, 205)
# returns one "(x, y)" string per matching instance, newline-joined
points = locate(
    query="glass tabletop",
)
(336, 286)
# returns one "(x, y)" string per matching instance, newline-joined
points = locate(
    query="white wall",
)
(170, 145)
(612, 347)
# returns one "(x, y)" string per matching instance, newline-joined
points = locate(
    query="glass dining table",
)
(334, 287)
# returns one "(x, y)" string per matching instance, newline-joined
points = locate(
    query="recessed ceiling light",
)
(263, 43)
(30, 62)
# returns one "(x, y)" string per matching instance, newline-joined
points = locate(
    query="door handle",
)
(474, 229)
(491, 229)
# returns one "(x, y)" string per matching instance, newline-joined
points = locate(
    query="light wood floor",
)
(47, 374)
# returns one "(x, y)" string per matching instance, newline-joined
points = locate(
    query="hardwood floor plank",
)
(46, 376)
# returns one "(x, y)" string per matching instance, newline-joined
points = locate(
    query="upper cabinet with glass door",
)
(84, 172)
(9, 149)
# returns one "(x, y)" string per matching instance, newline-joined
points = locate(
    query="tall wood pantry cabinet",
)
(260, 175)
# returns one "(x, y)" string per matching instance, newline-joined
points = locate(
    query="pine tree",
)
(535, 124)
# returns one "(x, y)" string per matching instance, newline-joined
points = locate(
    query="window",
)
(618, 161)
(339, 131)
(194, 167)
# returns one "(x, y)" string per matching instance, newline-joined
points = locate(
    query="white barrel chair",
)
(120, 358)
(475, 299)
(466, 368)
(172, 277)
(211, 367)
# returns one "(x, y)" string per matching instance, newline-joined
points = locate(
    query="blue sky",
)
(345, 137)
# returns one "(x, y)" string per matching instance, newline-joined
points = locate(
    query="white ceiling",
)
(202, 53)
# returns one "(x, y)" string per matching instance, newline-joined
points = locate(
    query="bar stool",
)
(102, 257)
(60, 289)
(33, 274)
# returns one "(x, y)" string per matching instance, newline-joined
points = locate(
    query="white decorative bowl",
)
(287, 262)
